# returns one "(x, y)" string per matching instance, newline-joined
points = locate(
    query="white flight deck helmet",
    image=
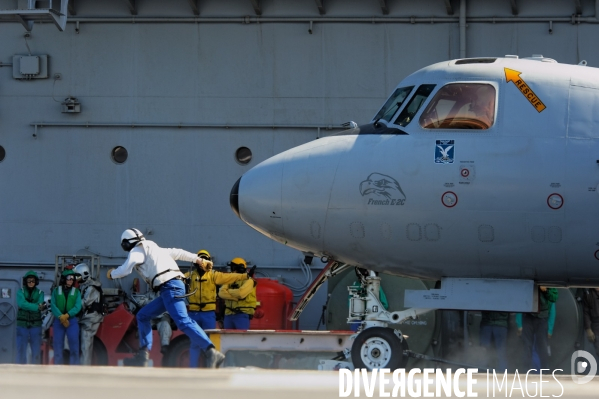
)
(130, 238)
(83, 270)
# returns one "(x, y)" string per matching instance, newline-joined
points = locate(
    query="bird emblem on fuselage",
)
(384, 186)
(445, 151)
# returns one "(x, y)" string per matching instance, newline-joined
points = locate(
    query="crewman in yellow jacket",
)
(240, 298)
(202, 304)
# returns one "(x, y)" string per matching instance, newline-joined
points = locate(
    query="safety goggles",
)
(30, 281)
(236, 267)
(205, 257)
(70, 278)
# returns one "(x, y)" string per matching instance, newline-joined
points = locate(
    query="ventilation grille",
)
(476, 61)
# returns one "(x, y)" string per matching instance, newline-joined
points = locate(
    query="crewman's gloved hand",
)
(108, 274)
(590, 335)
(65, 323)
(205, 264)
(64, 319)
(252, 271)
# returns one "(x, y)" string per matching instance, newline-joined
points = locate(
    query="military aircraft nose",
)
(234, 198)
(256, 198)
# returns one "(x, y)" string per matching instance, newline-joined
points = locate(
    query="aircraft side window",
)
(393, 103)
(407, 114)
(461, 106)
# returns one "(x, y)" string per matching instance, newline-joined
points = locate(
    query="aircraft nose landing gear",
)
(378, 348)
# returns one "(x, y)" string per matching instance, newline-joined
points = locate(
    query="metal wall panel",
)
(61, 193)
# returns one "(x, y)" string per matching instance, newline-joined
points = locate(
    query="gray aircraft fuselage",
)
(429, 191)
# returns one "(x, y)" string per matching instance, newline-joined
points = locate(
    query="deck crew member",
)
(240, 298)
(158, 268)
(65, 305)
(534, 329)
(590, 307)
(30, 301)
(93, 314)
(493, 334)
(202, 304)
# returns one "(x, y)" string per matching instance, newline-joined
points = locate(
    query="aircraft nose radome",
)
(234, 198)
(256, 197)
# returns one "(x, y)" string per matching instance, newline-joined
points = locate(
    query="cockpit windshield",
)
(414, 105)
(461, 106)
(393, 103)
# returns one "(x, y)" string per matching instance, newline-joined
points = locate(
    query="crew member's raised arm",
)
(136, 257)
(181, 254)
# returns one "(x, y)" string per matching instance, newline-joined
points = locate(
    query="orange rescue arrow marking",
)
(514, 77)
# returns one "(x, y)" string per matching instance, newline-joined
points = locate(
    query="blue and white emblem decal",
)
(444, 151)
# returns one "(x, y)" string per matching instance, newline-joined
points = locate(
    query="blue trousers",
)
(499, 335)
(239, 321)
(176, 308)
(32, 336)
(534, 334)
(72, 333)
(206, 321)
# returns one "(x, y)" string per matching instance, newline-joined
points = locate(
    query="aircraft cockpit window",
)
(407, 114)
(393, 103)
(461, 106)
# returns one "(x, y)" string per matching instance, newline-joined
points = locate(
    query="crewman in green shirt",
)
(30, 301)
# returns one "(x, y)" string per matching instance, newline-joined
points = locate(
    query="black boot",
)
(139, 360)
(214, 359)
(164, 349)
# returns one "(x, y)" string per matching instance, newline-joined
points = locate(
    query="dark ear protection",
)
(236, 268)
(63, 279)
(127, 245)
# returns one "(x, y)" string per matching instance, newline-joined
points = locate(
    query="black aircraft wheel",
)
(379, 348)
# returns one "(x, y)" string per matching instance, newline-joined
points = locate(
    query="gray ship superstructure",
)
(143, 114)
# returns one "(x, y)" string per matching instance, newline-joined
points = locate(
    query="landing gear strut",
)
(377, 346)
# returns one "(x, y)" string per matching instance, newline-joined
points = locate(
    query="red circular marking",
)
(597, 254)
(465, 172)
(454, 195)
(549, 203)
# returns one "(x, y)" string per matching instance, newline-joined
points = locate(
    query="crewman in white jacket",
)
(158, 268)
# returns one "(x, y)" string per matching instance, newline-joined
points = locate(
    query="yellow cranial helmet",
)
(237, 264)
(202, 253)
